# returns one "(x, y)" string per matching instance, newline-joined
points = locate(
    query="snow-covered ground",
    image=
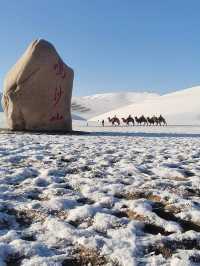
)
(121, 196)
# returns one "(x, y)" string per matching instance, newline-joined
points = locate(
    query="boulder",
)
(37, 91)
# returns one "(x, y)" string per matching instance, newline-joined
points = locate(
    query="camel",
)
(141, 120)
(161, 120)
(144, 120)
(150, 121)
(114, 120)
(138, 120)
(128, 120)
(158, 121)
(155, 119)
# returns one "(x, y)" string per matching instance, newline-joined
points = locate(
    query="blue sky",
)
(112, 45)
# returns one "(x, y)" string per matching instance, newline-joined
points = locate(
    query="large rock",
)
(37, 91)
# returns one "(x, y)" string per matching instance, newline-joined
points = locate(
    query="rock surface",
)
(37, 91)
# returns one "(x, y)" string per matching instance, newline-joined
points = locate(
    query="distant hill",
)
(93, 105)
(181, 107)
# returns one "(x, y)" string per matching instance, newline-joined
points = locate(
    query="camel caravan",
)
(139, 121)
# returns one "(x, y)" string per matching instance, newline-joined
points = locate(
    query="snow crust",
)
(133, 199)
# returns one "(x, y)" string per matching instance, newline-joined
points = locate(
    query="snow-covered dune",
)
(181, 107)
(93, 105)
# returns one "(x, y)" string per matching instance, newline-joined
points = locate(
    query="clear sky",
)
(112, 45)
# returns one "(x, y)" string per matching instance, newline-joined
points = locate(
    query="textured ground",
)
(105, 199)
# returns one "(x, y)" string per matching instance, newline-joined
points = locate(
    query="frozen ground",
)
(121, 196)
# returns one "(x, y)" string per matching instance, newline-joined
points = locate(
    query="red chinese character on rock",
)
(57, 95)
(60, 71)
(56, 117)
